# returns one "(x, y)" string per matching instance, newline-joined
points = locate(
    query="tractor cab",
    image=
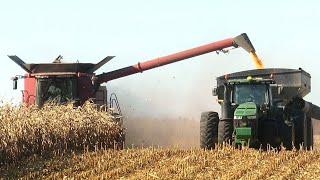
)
(255, 90)
(256, 93)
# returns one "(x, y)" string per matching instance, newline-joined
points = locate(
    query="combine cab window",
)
(257, 93)
(59, 90)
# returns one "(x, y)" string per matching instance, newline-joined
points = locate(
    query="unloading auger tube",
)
(239, 41)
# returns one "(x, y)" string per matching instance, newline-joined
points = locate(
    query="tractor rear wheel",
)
(225, 131)
(209, 129)
(286, 136)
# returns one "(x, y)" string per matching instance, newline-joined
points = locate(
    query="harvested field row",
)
(158, 163)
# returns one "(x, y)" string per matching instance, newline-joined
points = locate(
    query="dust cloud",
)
(152, 120)
(164, 116)
(316, 126)
(164, 132)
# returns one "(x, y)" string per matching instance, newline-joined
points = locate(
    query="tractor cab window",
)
(256, 93)
(59, 90)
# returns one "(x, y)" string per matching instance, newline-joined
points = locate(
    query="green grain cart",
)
(261, 108)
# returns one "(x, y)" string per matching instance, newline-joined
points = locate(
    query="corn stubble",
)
(158, 163)
(53, 129)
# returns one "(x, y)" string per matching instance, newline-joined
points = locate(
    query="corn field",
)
(26, 131)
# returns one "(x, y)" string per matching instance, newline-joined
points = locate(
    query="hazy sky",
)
(284, 33)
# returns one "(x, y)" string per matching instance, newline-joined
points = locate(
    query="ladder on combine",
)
(115, 108)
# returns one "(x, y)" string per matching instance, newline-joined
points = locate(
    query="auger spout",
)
(239, 41)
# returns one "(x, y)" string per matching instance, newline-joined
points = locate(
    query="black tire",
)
(298, 128)
(208, 129)
(303, 131)
(308, 133)
(225, 131)
(286, 136)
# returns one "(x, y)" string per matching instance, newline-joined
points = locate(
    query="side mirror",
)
(15, 83)
(215, 92)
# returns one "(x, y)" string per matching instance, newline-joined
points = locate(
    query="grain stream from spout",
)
(256, 60)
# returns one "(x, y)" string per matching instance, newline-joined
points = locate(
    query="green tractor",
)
(260, 109)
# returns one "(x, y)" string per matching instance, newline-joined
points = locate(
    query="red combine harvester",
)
(78, 82)
(63, 82)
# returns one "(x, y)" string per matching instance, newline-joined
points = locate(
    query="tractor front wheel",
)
(225, 131)
(209, 129)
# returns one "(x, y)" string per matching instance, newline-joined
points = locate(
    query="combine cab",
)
(261, 108)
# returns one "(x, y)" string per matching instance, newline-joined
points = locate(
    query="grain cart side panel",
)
(289, 82)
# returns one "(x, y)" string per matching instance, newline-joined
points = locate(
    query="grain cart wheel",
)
(225, 131)
(208, 129)
(298, 120)
(303, 131)
(308, 133)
